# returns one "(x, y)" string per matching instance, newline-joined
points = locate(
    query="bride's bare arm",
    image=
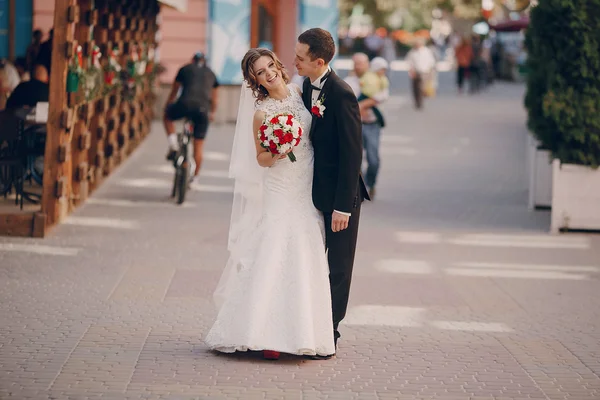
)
(264, 157)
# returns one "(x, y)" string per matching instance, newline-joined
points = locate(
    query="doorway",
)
(263, 27)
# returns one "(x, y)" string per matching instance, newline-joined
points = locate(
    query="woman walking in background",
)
(464, 58)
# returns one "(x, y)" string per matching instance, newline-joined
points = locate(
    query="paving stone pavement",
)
(459, 292)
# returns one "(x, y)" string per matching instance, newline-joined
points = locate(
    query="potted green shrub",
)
(563, 103)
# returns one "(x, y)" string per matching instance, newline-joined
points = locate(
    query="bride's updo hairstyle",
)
(248, 70)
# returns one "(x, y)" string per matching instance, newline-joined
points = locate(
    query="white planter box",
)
(575, 197)
(540, 176)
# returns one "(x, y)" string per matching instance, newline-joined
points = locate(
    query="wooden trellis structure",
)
(93, 129)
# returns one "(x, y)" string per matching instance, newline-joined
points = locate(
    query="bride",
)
(274, 295)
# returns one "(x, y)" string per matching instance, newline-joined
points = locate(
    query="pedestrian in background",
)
(421, 63)
(478, 76)
(371, 87)
(44, 55)
(9, 80)
(464, 58)
(373, 45)
(389, 48)
(33, 50)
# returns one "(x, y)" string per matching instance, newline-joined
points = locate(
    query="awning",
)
(179, 5)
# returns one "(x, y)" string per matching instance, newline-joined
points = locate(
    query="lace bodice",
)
(292, 178)
(294, 105)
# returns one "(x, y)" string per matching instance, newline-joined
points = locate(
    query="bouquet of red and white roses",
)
(280, 134)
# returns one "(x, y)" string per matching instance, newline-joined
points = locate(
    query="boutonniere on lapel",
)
(319, 108)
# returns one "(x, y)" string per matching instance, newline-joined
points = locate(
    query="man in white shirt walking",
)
(421, 62)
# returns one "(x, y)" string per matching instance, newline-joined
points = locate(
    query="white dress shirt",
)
(315, 96)
(317, 83)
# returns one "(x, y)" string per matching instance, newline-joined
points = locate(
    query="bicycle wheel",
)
(177, 165)
(182, 182)
(175, 180)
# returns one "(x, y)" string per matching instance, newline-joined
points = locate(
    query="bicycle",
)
(182, 163)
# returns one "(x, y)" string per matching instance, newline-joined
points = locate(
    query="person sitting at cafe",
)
(21, 66)
(29, 93)
(9, 80)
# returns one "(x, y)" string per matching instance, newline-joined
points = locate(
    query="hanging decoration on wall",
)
(75, 71)
(150, 54)
(92, 81)
(112, 70)
(153, 68)
(142, 59)
(130, 73)
(140, 64)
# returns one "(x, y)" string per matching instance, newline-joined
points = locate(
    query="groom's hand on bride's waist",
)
(339, 221)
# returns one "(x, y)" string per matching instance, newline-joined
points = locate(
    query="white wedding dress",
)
(279, 298)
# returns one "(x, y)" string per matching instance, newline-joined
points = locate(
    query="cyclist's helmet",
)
(199, 56)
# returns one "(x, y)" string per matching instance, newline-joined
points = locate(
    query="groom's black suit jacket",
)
(337, 143)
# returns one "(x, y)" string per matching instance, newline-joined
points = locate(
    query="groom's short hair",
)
(320, 44)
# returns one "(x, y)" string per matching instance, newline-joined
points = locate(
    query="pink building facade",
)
(181, 35)
(43, 15)
(226, 29)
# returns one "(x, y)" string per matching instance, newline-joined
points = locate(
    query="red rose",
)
(273, 148)
(278, 133)
(288, 137)
(289, 120)
(275, 120)
(297, 141)
(299, 131)
(262, 137)
(263, 128)
(315, 110)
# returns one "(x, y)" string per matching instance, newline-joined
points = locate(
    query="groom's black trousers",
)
(341, 247)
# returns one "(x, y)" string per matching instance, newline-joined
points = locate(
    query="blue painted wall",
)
(3, 28)
(23, 27)
(229, 38)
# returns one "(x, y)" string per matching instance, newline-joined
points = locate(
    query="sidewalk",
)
(459, 292)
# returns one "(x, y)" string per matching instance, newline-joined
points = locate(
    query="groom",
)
(338, 189)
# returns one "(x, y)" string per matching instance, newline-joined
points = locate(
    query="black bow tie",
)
(321, 81)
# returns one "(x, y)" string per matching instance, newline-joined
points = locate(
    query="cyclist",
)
(197, 102)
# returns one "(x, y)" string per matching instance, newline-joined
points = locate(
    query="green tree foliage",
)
(417, 13)
(563, 86)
